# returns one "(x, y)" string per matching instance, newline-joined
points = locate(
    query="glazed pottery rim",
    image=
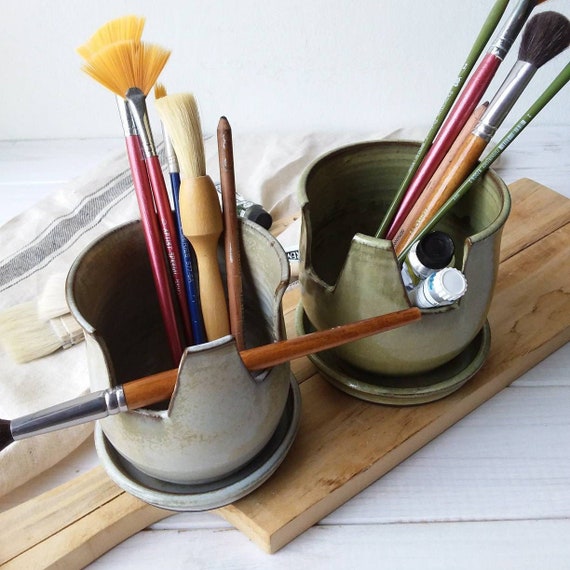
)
(90, 329)
(499, 183)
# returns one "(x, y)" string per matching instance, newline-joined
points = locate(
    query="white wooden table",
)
(492, 492)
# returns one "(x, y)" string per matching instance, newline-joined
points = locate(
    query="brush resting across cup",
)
(348, 275)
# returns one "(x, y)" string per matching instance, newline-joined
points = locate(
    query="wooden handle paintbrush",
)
(555, 86)
(199, 206)
(483, 37)
(231, 231)
(546, 35)
(463, 108)
(159, 387)
(452, 153)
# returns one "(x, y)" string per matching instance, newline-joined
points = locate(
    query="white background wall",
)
(269, 65)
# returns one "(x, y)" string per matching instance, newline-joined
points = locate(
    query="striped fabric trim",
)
(62, 232)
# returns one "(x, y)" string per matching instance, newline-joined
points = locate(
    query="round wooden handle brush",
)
(159, 387)
(200, 211)
(231, 233)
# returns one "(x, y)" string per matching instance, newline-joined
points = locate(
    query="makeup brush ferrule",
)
(507, 95)
(80, 410)
(137, 105)
(506, 38)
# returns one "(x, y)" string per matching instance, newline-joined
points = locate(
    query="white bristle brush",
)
(25, 337)
(51, 301)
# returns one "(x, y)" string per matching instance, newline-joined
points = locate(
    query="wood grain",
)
(343, 444)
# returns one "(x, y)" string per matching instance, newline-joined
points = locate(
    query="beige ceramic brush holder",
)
(346, 275)
(225, 430)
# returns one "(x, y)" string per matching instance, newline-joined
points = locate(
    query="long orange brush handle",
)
(449, 157)
(428, 204)
(202, 225)
(159, 387)
(231, 231)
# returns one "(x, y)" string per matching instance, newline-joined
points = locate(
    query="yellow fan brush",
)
(129, 69)
(119, 29)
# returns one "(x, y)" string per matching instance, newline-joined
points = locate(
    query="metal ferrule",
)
(507, 95)
(80, 410)
(129, 126)
(505, 40)
(137, 105)
(171, 159)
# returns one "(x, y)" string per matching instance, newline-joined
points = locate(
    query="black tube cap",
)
(435, 250)
(257, 214)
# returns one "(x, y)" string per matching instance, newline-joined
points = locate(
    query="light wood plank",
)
(538, 213)
(90, 536)
(529, 318)
(371, 439)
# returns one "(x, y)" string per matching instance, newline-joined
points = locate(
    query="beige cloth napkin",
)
(47, 238)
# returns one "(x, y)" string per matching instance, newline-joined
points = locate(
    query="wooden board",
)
(343, 444)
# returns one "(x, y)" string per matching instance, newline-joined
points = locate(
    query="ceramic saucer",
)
(206, 496)
(400, 390)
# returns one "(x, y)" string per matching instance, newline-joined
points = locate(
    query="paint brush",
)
(159, 387)
(463, 109)
(199, 206)
(130, 28)
(119, 29)
(452, 153)
(187, 255)
(129, 69)
(546, 35)
(25, 336)
(231, 231)
(557, 84)
(483, 37)
(152, 233)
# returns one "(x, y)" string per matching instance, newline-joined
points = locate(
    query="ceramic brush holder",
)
(348, 275)
(225, 430)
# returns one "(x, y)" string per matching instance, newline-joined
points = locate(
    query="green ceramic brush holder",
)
(346, 275)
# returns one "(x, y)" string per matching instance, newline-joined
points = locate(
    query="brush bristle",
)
(52, 301)
(159, 91)
(25, 337)
(5, 434)
(181, 119)
(545, 36)
(126, 64)
(117, 30)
